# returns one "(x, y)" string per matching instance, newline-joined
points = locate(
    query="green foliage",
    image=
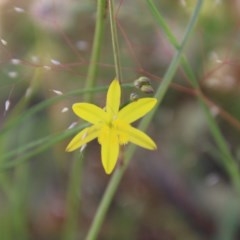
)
(54, 54)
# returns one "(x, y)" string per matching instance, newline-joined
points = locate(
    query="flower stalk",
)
(115, 41)
(97, 43)
(163, 87)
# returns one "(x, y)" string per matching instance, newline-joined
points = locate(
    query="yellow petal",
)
(113, 98)
(90, 112)
(109, 151)
(85, 136)
(136, 109)
(138, 137)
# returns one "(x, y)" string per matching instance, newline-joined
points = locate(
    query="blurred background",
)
(179, 192)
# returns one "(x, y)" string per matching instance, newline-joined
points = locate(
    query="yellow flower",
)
(112, 126)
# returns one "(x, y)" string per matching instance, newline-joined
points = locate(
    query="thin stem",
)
(97, 43)
(115, 41)
(28, 150)
(227, 160)
(117, 176)
(73, 200)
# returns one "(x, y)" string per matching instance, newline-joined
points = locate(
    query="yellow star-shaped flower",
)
(112, 126)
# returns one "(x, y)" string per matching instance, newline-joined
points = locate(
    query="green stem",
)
(117, 176)
(97, 43)
(160, 20)
(14, 191)
(43, 105)
(115, 41)
(73, 200)
(227, 160)
(28, 150)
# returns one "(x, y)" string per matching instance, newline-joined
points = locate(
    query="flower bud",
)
(144, 84)
(147, 89)
(138, 83)
(133, 97)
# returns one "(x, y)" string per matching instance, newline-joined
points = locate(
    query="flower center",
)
(114, 127)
